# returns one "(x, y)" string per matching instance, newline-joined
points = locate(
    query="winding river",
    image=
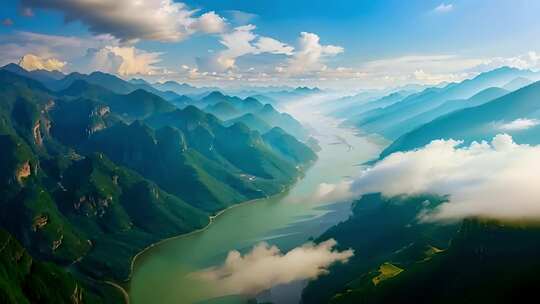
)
(162, 274)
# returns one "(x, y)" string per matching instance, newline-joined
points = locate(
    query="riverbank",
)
(211, 220)
(286, 221)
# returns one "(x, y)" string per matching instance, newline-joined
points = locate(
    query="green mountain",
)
(289, 147)
(217, 97)
(235, 158)
(224, 110)
(252, 121)
(517, 84)
(396, 119)
(282, 120)
(182, 88)
(43, 76)
(107, 81)
(26, 280)
(137, 104)
(487, 262)
(381, 231)
(399, 259)
(479, 123)
(232, 109)
(86, 171)
(57, 81)
(448, 107)
(352, 106)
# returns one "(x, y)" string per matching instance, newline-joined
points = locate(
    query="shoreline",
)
(124, 291)
(211, 218)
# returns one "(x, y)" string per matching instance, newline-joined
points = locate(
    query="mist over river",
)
(164, 273)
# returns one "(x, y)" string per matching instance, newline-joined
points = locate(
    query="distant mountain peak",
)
(13, 67)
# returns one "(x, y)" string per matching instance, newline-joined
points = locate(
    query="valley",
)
(269, 152)
(286, 220)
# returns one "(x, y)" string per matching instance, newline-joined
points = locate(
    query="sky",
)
(354, 44)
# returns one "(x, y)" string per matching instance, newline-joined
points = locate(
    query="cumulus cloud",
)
(122, 60)
(239, 42)
(519, 124)
(496, 179)
(443, 8)
(32, 62)
(210, 23)
(128, 20)
(310, 53)
(266, 266)
(273, 46)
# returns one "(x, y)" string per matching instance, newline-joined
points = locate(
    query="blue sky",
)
(339, 43)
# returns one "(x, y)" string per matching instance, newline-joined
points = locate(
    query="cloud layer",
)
(498, 179)
(266, 266)
(128, 20)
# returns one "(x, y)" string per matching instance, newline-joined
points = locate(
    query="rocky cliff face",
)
(23, 172)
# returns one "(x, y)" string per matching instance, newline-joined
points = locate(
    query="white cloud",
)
(266, 266)
(210, 23)
(326, 192)
(519, 124)
(273, 46)
(130, 20)
(123, 61)
(444, 8)
(310, 54)
(494, 180)
(32, 62)
(239, 42)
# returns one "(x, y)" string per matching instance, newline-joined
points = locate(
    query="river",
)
(162, 273)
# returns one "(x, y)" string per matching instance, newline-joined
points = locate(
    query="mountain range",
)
(87, 170)
(399, 117)
(480, 122)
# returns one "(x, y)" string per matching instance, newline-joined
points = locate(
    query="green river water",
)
(162, 274)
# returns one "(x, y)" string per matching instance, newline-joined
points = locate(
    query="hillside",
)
(25, 280)
(380, 230)
(487, 262)
(480, 122)
(396, 119)
(86, 171)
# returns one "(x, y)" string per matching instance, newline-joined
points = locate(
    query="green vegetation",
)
(89, 171)
(386, 271)
(380, 230)
(487, 262)
(26, 280)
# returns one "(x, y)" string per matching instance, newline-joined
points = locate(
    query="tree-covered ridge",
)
(86, 171)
